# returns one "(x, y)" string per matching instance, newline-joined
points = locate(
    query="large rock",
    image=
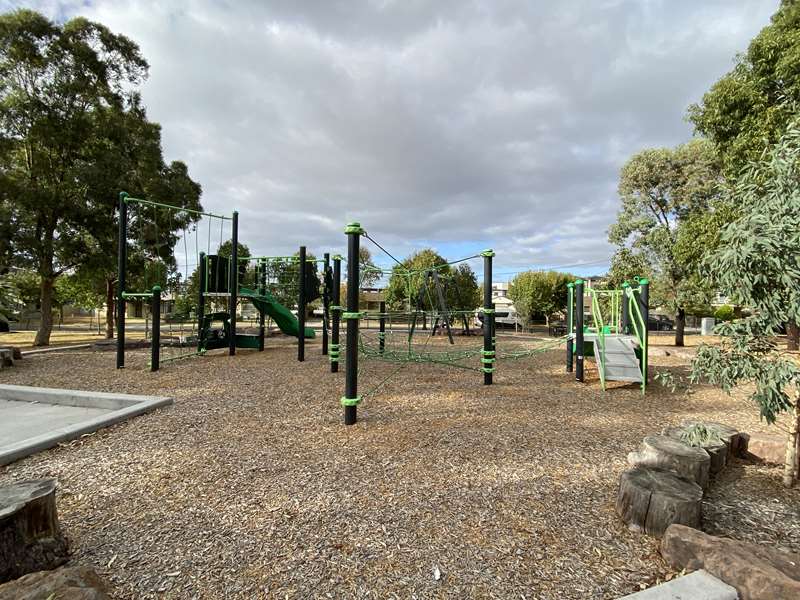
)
(765, 447)
(757, 572)
(66, 583)
(30, 536)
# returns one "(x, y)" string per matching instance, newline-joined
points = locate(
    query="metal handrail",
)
(597, 317)
(641, 336)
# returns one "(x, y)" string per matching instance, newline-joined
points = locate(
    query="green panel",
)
(283, 317)
(247, 341)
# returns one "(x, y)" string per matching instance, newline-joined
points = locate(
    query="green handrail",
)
(597, 318)
(641, 335)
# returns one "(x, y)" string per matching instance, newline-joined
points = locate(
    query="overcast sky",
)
(453, 124)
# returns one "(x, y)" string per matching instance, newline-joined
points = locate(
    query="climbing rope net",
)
(432, 317)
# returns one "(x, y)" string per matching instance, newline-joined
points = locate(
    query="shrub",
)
(724, 313)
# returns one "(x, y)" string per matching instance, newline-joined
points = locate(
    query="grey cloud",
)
(498, 123)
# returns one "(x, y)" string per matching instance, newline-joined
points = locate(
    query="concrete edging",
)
(122, 407)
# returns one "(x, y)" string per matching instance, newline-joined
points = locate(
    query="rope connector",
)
(350, 401)
(353, 315)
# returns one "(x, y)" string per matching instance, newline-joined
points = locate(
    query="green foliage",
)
(750, 107)
(72, 134)
(369, 276)
(407, 279)
(462, 290)
(626, 266)
(757, 265)
(666, 196)
(539, 292)
(724, 313)
(700, 436)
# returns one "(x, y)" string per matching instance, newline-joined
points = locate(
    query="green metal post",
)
(122, 267)
(579, 330)
(337, 313)
(351, 399)
(570, 313)
(201, 300)
(233, 281)
(488, 354)
(155, 340)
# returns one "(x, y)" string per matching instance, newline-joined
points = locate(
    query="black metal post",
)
(625, 324)
(326, 302)
(301, 308)
(233, 281)
(337, 313)
(382, 328)
(350, 400)
(201, 298)
(570, 321)
(155, 339)
(122, 267)
(579, 330)
(488, 356)
(644, 307)
(261, 273)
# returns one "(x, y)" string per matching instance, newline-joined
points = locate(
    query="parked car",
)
(660, 323)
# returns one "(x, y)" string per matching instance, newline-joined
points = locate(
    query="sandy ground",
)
(250, 486)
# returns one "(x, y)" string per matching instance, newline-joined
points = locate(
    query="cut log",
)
(650, 500)
(664, 452)
(30, 537)
(730, 435)
(717, 452)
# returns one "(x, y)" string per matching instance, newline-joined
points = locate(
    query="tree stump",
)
(30, 538)
(730, 435)
(667, 453)
(650, 500)
(717, 452)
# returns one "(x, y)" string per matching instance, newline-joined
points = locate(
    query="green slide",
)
(282, 316)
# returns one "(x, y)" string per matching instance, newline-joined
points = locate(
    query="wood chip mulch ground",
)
(249, 486)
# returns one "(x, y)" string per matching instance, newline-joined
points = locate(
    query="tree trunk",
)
(790, 466)
(30, 537)
(46, 301)
(111, 304)
(680, 325)
(792, 336)
(650, 500)
(667, 453)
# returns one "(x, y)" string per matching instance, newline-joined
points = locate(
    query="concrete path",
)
(699, 585)
(22, 420)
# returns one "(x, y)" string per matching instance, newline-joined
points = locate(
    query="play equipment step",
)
(699, 585)
(620, 362)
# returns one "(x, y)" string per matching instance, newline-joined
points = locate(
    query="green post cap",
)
(578, 281)
(570, 285)
(337, 257)
(488, 252)
(644, 281)
(626, 284)
(156, 289)
(123, 196)
(354, 227)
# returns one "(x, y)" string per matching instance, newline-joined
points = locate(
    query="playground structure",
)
(266, 282)
(616, 336)
(397, 338)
